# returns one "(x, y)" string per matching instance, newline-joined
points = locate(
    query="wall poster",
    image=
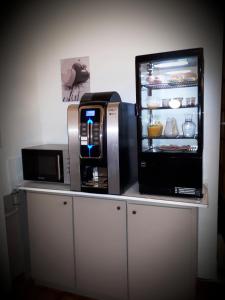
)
(75, 78)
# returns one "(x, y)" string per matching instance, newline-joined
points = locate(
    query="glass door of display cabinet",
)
(170, 107)
(169, 89)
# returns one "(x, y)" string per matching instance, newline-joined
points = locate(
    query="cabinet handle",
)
(134, 212)
(65, 202)
(118, 207)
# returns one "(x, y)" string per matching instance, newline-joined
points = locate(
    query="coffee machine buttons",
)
(96, 141)
(83, 127)
(83, 140)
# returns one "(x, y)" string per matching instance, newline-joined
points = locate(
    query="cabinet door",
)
(100, 247)
(51, 239)
(161, 252)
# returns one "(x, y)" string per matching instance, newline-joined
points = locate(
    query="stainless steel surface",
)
(113, 147)
(58, 167)
(66, 166)
(74, 146)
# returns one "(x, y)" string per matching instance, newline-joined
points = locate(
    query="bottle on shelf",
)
(188, 126)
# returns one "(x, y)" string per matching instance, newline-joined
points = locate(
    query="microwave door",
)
(49, 166)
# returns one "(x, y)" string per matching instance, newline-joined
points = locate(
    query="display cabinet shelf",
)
(161, 107)
(171, 85)
(154, 150)
(195, 137)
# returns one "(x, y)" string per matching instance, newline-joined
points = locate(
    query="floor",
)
(221, 257)
(27, 290)
(206, 290)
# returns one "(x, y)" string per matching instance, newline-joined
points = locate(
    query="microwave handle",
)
(58, 167)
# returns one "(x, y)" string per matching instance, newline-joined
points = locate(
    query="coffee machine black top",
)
(102, 143)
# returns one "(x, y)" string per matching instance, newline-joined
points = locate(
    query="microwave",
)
(48, 162)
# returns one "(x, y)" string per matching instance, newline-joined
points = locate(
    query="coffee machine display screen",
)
(90, 113)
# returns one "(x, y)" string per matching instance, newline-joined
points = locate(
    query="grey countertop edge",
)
(131, 196)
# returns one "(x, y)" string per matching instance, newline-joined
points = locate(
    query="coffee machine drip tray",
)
(94, 177)
(101, 183)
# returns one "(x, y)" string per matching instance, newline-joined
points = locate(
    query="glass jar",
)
(188, 126)
(165, 102)
(171, 129)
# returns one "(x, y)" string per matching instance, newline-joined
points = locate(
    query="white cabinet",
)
(161, 252)
(118, 251)
(51, 239)
(101, 247)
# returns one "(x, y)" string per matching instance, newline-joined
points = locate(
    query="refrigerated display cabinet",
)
(169, 95)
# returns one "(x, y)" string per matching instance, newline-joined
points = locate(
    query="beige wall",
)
(111, 33)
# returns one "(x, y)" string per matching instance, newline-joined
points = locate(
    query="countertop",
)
(132, 195)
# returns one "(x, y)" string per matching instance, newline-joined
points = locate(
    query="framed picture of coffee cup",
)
(75, 78)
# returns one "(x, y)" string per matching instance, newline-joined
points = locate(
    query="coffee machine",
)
(102, 144)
